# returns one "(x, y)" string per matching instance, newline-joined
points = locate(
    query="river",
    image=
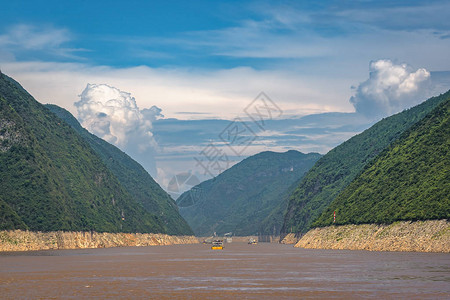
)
(244, 271)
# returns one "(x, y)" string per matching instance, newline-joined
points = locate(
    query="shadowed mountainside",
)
(248, 198)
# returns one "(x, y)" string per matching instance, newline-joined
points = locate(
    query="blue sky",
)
(204, 60)
(113, 32)
(306, 54)
(217, 34)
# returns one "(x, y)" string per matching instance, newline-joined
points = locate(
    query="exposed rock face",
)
(420, 236)
(19, 240)
(290, 238)
(9, 135)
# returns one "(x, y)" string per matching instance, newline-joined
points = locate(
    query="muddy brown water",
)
(240, 271)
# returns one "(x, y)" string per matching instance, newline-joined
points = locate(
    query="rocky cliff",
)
(19, 240)
(420, 236)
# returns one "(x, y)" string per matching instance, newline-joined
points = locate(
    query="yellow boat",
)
(217, 245)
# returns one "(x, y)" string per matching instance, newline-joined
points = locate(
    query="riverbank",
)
(18, 240)
(420, 236)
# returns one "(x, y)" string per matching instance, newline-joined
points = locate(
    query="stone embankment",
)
(19, 240)
(420, 236)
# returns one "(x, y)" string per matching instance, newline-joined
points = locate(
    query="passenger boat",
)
(217, 245)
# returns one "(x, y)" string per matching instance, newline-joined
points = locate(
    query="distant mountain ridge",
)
(410, 180)
(51, 179)
(133, 177)
(339, 167)
(247, 199)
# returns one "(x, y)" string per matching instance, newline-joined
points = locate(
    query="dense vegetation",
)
(410, 180)
(51, 179)
(248, 198)
(133, 177)
(334, 171)
(9, 219)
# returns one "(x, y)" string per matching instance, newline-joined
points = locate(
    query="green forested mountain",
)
(248, 198)
(51, 179)
(335, 170)
(410, 180)
(133, 177)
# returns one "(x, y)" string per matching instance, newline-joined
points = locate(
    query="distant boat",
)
(217, 245)
(252, 241)
(228, 237)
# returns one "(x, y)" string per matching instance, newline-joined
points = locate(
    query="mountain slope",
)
(51, 179)
(410, 180)
(136, 181)
(334, 171)
(242, 197)
(9, 219)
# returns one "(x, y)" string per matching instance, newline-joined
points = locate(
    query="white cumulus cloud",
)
(113, 115)
(390, 89)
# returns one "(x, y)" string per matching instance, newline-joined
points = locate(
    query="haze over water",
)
(239, 271)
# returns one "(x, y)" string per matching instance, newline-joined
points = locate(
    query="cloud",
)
(37, 41)
(423, 15)
(30, 37)
(390, 89)
(290, 30)
(183, 142)
(222, 93)
(113, 115)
